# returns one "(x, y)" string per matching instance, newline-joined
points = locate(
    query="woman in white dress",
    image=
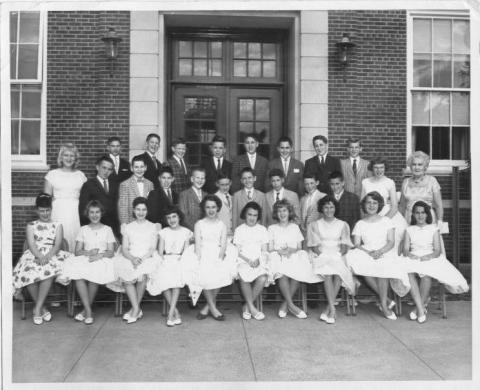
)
(423, 257)
(385, 187)
(168, 278)
(374, 257)
(328, 239)
(286, 260)
(138, 259)
(93, 261)
(214, 259)
(64, 184)
(251, 240)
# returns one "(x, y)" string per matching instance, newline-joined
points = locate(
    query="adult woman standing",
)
(385, 187)
(421, 186)
(64, 184)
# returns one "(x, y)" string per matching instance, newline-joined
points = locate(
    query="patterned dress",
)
(27, 271)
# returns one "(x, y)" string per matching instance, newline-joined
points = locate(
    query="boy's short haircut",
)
(165, 169)
(151, 135)
(219, 138)
(285, 139)
(179, 141)
(222, 175)
(112, 139)
(104, 158)
(336, 175)
(139, 158)
(251, 135)
(276, 172)
(245, 170)
(354, 140)
(310, 175)
(321, 138)
(197, 169)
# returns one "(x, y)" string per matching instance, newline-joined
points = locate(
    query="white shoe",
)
(177, 321)
(413, 316)
(170, 323)
(259, 316)
(421, 319)
(330, 320)
(79, 317)
(246, 315)
(301, 314)
(323, 317)
(282, 313)
(392, 316)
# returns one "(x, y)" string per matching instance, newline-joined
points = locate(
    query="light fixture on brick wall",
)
(344, 48)
(111, 41)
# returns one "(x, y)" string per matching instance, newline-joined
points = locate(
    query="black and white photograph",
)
(236, 194)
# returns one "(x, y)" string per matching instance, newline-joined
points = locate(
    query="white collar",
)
(216, 158)
(178, 159)
(354, 158)
(101, 180)
(339, 195)
(279, 192)
(324, 157)
(247, 190)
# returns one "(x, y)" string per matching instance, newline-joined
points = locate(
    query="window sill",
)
(28, 166)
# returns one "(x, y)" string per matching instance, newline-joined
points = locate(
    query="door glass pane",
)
(441, 143)
(246, 107)
(421, 138)
(461, 36)
(422, 33)
(245, 128)
(461, 143)
(30, 137)
(262, 110)
(27, 61)
(442, 33)
(262, 131)
(15, 137)
(440, 103)
(29, 27)
(460, 108)
(255, 117)
(422, 70)
(420, 108)
(461, 71)
(442, 70)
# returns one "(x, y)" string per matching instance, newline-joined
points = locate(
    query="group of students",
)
(210, 239)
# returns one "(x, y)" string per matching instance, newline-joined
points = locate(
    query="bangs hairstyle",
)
(94, 203)
(43, 200)
(139, 200)
(210, 198)
(378, 161)
(254, 206)
(71, 148)
(172, 210)
(375, 196)
(428, 211)
(328, 199)
(283, 203)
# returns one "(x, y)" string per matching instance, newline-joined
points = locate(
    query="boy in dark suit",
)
(354, 168)
(161, 198)
(348, 201)
(104, 189)
(121, 167)
(180, 169)
(322, 165)
(153, 165)
(189, 200)
(216, 164)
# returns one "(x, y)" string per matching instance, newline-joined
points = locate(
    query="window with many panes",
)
(26, 87)
(440, 86)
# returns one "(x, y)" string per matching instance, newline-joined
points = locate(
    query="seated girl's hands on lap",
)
(136, 261)
(255, 263)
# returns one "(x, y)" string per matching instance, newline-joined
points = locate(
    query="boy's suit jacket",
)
(92, 189)
(290, 196)
(293, 178)
(225, 213)
(349, 209)
(189, 204)
(127, 192)
(151, 173)
(354, 183)
(310, 213)
(260, 169)
(312, 165)
(158, 201)
(124, 171)
(211, 173)
(240, 199)
(182, 179)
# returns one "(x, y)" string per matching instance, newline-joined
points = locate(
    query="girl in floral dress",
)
(42, 261)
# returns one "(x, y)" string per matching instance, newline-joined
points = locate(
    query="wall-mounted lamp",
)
(111, 41)
(344, 48)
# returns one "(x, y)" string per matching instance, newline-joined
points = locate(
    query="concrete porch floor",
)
(365, 347)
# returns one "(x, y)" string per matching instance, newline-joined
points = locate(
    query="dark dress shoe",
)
(201, 316)
(221, 317)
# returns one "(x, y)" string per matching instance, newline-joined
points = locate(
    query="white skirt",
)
(297, 266)
(79, 267)
(387, 267)
(168, 274)
(440, 269)
(248, 274)
(126, 273)
(334, 264)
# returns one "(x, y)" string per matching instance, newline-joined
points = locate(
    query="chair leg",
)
(398, 301)
(444, 301)
(164, 306)
(353, 303)
(347, 301)
(70, 299)
(303, 296)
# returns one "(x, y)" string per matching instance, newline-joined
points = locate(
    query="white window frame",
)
(31, 162)
(436, 166)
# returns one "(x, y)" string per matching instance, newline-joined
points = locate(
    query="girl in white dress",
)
(93, 261)
(64, 184)
(251, 240)
(329, 240)
(385, 187)
(168, 278)
(286, 260)
(423, 257)
(138, 259)
(374, 257)
(214, 259)
(42, 261)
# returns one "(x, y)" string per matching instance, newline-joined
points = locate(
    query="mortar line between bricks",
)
(249, 351)
(85, 349)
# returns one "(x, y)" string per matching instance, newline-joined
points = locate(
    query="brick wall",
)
(84, 104)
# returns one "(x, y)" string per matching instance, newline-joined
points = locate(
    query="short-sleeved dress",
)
(66, 192)
(374, 236)
(421, 243)
(79, 267)
(329, 236)
(27, 271)
(208, 271)
(297, 266)
(424, 190)
(249, 241)
(170, 270)
(383, 186)
(141, 236)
